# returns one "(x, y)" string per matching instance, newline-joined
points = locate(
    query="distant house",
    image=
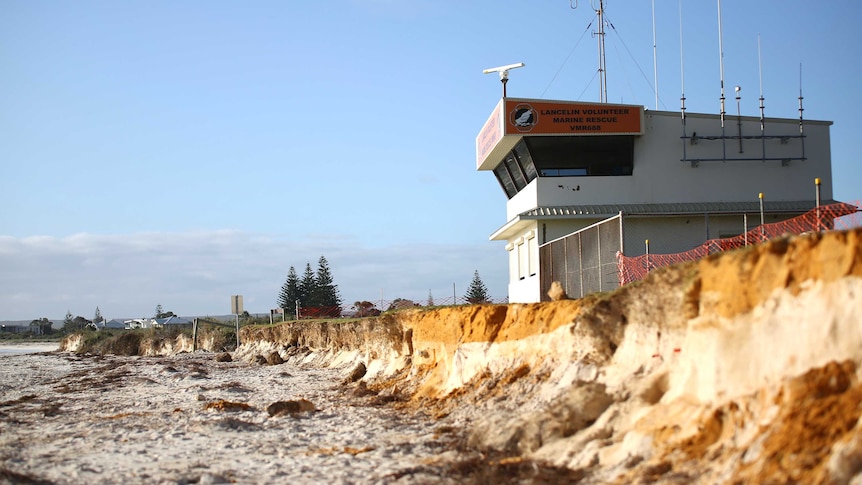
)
(112, 325)
(137, 323)
(167, 322)
(41, 326)
(171, 322)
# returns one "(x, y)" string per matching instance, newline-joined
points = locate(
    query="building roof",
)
(174, 320)
(114, 324)
(669, 209)
(681, 208)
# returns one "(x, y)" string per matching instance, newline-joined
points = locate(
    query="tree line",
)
(317, 293)
(314, 290)
(77, 323)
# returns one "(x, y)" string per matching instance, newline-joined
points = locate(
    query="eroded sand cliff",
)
(743, 367)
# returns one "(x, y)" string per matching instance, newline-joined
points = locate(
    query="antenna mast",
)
(760, 69)
(762, 117)
(600, 33)
(603, 77)
(654, 56)
(721, 71)
(721, 62)
(681, 72)
(801, 129)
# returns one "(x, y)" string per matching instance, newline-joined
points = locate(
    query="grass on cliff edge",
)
(264, 321)
(134, 342)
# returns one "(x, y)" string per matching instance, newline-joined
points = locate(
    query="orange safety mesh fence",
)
(824, 218)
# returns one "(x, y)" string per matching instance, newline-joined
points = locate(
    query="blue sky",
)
(177, 153)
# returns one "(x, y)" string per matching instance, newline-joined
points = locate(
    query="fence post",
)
(599, 259)
(817, 198)
(706, 223)
(581, 263)
(622, 250)
(646, 243)
(762, 221)
(745, 227)
(194, 334)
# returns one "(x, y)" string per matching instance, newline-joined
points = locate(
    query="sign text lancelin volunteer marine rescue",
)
(589, 116)
(555, 117)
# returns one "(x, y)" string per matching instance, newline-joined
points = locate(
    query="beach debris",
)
(50, 410)
(387, 396)
(280, 408)
(211, 479)
(350, 450)
(233, 424)
(227, 406)
(274, 358)
(224, 357)
(357, 373)
(557, 293)
(362, 390)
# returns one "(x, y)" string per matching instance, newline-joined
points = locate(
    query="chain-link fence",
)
(583, 262)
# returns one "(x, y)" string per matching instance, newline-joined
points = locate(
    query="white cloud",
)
(195, 273)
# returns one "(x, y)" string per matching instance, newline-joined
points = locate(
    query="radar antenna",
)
(504, 73)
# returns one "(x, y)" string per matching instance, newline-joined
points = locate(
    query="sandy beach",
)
(16, 348)
(72, 419)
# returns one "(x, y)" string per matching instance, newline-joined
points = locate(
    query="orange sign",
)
(491, 133)
(527, 116)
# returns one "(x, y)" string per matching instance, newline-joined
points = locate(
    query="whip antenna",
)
(721, 62)
(654, 57)
(762, 118)
(681, 70)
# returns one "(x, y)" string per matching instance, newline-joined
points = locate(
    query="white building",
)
(138, 323)
(677, 181)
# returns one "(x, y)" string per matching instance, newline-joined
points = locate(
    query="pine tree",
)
(430, 299)
(325, 291)
(307, 287)
(289, 293)
(477, 292)
(158, 311)
(68, 322)
(98, 317)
